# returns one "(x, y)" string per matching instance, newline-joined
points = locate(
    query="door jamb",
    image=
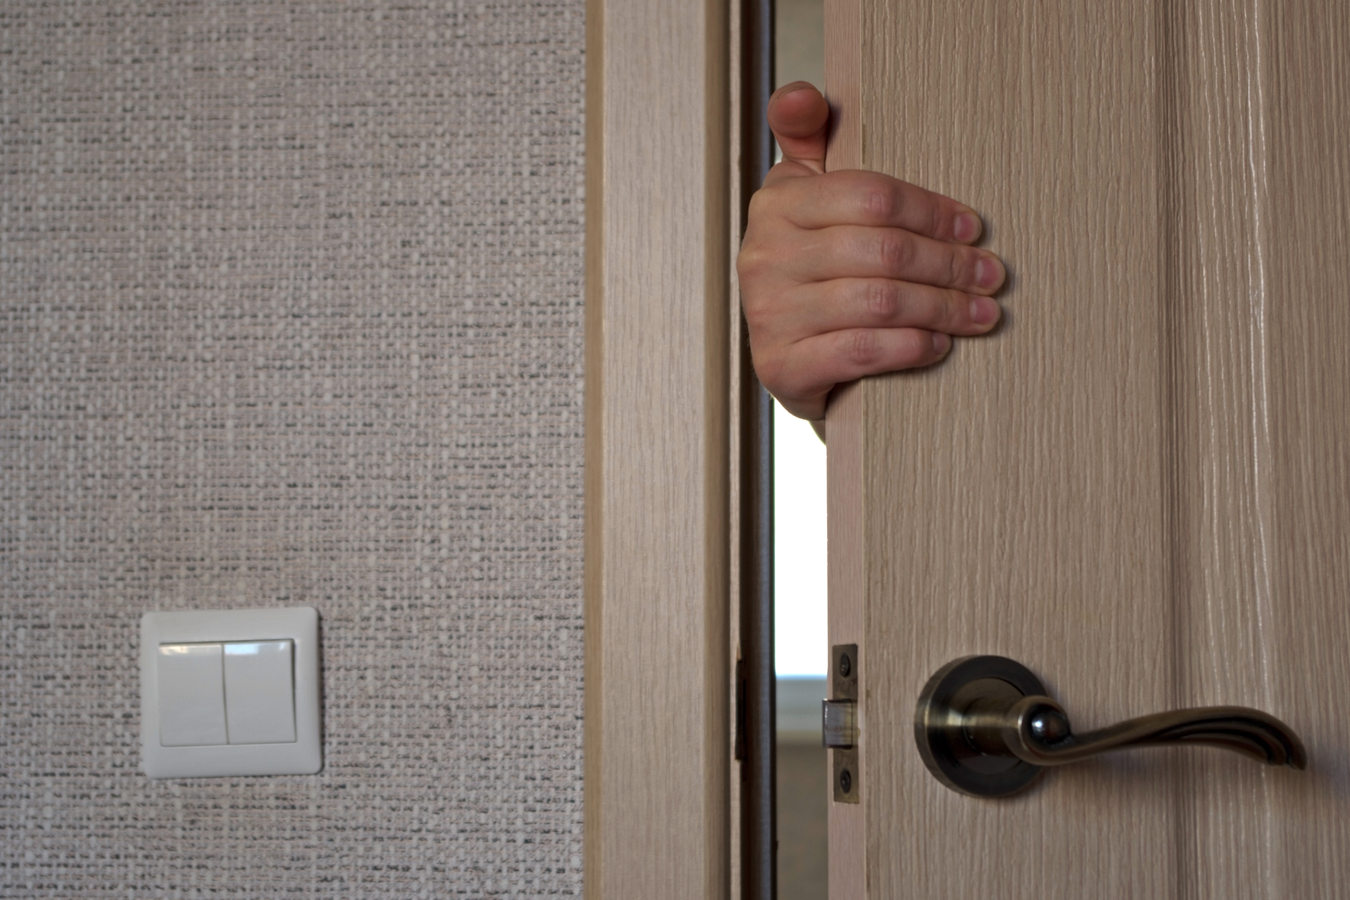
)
(658, 444)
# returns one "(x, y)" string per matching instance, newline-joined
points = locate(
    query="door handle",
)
(985, 727)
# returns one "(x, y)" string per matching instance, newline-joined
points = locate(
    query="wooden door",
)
(1137, 487)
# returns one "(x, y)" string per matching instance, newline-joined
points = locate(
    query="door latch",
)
(839, 722)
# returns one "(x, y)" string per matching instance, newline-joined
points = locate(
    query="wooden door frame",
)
(663, 440)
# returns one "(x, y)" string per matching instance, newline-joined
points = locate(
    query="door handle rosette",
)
(985, 727)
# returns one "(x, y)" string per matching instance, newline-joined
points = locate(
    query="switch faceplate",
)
(230, 692)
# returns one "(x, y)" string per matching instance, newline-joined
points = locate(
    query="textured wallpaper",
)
(290, 314)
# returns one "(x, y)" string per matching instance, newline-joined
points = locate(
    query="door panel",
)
(1306, 642)
(1137, 486)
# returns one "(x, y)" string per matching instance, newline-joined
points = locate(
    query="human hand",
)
(850, 273)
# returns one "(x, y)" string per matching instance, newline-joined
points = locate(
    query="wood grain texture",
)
(846, 575)
(1008, 496)
(1137, 486)
(1262, 93)
(738, 352)
(845, 482)
(1306, 336)
(657, 718)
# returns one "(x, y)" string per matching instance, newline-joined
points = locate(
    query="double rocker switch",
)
(228, 692)
(235, 692)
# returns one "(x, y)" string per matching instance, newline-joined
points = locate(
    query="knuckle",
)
(770, 370)
(753, 260)
(761, 203)
(861, 347)
(918, 348)
(759, 311)
(881, 301)
(955, 309)
(756, 313)
(771, 203)
(956, 267)
(880, 200)
(897, 251)
(937, 220)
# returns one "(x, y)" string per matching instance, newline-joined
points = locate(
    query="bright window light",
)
(799, 548)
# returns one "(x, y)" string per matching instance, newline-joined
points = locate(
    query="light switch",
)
(259, 692)
(228, 692)
(191, 695)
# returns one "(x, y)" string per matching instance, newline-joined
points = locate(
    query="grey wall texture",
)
(290, 314)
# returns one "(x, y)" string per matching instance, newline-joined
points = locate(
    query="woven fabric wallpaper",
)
(290, 314)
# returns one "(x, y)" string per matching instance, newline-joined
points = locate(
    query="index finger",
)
(855, 197)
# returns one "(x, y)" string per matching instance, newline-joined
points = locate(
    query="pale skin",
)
(850, 273)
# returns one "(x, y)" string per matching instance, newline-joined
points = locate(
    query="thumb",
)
(798, 116)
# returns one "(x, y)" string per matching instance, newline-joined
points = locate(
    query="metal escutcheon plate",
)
(943, 740)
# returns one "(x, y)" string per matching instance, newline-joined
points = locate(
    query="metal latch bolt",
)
(840, 722)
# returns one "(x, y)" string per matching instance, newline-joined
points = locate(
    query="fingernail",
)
(983, 311)
(941, 343)
(967, 227)
(989, 272)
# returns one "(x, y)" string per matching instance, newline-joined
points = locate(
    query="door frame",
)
(663, 447)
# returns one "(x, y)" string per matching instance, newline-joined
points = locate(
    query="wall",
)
(290, 313)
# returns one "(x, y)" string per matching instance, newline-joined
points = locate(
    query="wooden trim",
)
(752, 478)
(738, 351)
(847, 562)
(657, 451)
(847, 584)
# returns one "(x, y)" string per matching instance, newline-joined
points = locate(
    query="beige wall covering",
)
(290, 313)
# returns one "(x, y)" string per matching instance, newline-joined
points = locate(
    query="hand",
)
(852, 273)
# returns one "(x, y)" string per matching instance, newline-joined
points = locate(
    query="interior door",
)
(1138, 486)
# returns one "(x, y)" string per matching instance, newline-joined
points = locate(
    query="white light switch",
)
(259, 693)
(230, 692)
(191, 695)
